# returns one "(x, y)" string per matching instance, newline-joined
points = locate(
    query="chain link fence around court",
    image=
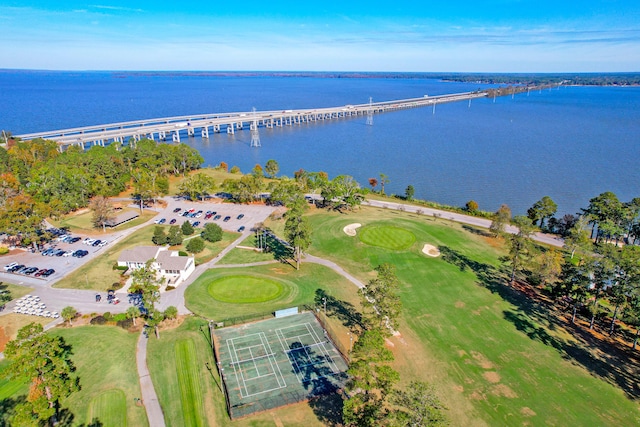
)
(277, 362)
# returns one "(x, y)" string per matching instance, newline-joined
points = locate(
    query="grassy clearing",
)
(299, 288)
(10, 389)
(82, 222)
(211, 250)
(245, 256)
(105, 357)
(189, 381)
(494, 358)
(16, 291)
(244, 288)
(110, 408)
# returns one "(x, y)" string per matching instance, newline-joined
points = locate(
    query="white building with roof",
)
(169, 264)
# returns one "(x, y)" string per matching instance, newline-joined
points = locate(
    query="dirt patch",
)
(492, 377)
(430, 250)
(4, 339)
(482, 360)
(458, 388)
(527, 412)
(350, 230)
(459, 304)
(477, 396)
(504, 391)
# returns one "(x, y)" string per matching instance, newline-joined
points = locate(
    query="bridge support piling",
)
(176, 136)
(205, 132)
(230, 129)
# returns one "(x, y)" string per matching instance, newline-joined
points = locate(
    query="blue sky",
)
(326, 35)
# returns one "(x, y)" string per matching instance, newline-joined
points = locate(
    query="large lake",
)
(571, 144)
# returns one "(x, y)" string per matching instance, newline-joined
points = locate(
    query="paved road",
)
(464, 219)
(149, 396)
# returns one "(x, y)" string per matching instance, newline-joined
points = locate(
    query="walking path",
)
(149, 397)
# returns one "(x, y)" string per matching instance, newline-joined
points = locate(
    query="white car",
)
(68, 253)
(10, 266)
(88, 241)
(103, 243)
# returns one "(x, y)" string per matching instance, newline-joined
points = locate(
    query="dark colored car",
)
(226, 218)
(40, 272)
(16, 268)
(162, 221)
(173, 221)
(240, 216)
(241, 229)
(197, 223)
(176, 210)
(48, 273)
(30, 270)
(74, 240)
(185, 213)
(80, 253)
(217, 217)
(96, 243)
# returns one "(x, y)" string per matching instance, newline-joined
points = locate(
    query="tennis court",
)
(276, 362)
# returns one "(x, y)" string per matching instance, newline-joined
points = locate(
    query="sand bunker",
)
(350, 230)
(430, 250)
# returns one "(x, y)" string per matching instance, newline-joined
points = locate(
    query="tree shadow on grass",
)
(604, 358)
(322, 384)
(281, 250)
(344, 311)
(478, 231)
(7, 409)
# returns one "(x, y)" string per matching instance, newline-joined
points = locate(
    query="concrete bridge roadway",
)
(172, 127)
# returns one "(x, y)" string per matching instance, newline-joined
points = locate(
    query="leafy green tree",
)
(384, 179)
(574, 283)
(187, 228)
(547, 266)
(542, 209)
(195, 245)
(380, 299)
(197, 186)
(171, 312)
(605, 212)
(520, 245)
(175, 236)
(418, 405)
(471, 206)
(159, 236)
(342, 192)
(578, 238)
(154, 318)
(371, 379)
(235, 170)
(22, 216)
(146, 282)
(409, 192)
(103, 212)
(257, 171)
(68, 313)
(604, 270)
(298, 233)
(245, 189)
(288, 192)
(133, 313)
(43, 360)
(272, 168)
(500, 220)
(212, 233)
(626, 280)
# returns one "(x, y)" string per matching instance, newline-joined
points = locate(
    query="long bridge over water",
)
(173, 128)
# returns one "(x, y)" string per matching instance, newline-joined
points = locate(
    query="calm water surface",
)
(570, 144)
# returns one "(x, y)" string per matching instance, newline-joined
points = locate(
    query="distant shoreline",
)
(616, 79)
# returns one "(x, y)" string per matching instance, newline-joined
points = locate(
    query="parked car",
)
(217, 217)
(67, 253)
(59, 252)
(80, 253)
(197, 223)
(49, 272)
(40, 272)
(30, 270)
(176, 210)
(16, 267)
(241, 229)
(226, 218)
(10, 266)
(240, 216)
(173, 221)
(74, 240)
(103, 243)
(185, 213)
(96, 243)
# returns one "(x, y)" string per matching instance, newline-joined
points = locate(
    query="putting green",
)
(245, 289)
(387, 236)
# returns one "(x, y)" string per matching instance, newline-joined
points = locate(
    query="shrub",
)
(119, 267)
(98, 320)
(235, 169)
(119, 317)
(182, 253)
(170, 287)
(125, 323)
(187, 228)
(471, 206)
(4, 250)
(212, 233)
(171, 312)
(107, 316)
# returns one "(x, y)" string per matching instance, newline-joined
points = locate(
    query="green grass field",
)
(110, 408)
(189, 381)
(494, 358)
(299, 287)
(105, 357)
(82, 223)
(241, 289)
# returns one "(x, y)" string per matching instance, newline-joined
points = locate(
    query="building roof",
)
(139, 254)
(123, 217)
(170, 260)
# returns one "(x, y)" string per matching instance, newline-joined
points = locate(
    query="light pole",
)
(350, 342)
(324, 302)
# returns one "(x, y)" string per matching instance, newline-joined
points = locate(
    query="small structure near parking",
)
(169, 264)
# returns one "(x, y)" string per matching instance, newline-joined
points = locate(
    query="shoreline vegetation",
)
(566, 79)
